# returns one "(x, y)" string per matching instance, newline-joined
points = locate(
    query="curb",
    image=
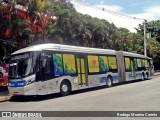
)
(156, 75)
(5, 98)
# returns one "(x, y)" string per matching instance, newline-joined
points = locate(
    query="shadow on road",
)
(55, 96)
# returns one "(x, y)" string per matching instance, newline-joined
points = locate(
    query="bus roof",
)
(129, 54)
(67, 48)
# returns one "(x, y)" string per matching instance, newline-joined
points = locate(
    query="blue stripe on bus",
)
(129, 75)
(103, 79)
(17, 83)
(115, 77)
(138, 75)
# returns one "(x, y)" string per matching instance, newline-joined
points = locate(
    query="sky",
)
(145, 9)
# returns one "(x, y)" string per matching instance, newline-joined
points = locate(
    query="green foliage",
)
(153, 47)
(74, 28)
(152, 27)
(153, 44)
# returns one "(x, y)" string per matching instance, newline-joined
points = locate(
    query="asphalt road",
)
(133, 96)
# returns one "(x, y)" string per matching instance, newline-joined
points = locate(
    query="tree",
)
(58, 22)
(152, 27)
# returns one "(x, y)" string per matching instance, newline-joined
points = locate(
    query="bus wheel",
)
(109, 81)
(142, 78)
(64, 88)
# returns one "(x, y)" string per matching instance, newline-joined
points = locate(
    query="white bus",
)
(53, 68)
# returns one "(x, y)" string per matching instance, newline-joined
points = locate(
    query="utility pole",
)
(145, 39)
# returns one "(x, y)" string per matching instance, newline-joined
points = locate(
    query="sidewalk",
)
(5, 96)
(157, 74)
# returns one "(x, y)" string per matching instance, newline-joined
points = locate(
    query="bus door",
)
(132, 68)
(82, 72)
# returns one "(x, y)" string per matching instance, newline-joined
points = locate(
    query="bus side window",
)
(112, 63)
(93, 64)
(135, 64)
(69, 65)
(139, 64)
(46, 69)
(46, 66)
(58, 64)
(146, 64)
(103, 63)
(127, 64)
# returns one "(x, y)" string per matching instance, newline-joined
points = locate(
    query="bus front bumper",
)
(25, 90)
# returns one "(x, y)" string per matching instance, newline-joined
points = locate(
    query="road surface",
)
(133, 96)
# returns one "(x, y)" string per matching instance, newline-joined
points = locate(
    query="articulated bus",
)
(53, 68)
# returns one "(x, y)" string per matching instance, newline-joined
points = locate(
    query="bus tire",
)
(143, 77)
(65, 88)
(109, 82)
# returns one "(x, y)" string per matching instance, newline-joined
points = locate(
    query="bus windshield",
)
(20, 66)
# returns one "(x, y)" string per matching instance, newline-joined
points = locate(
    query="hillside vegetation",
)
(57, 21)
